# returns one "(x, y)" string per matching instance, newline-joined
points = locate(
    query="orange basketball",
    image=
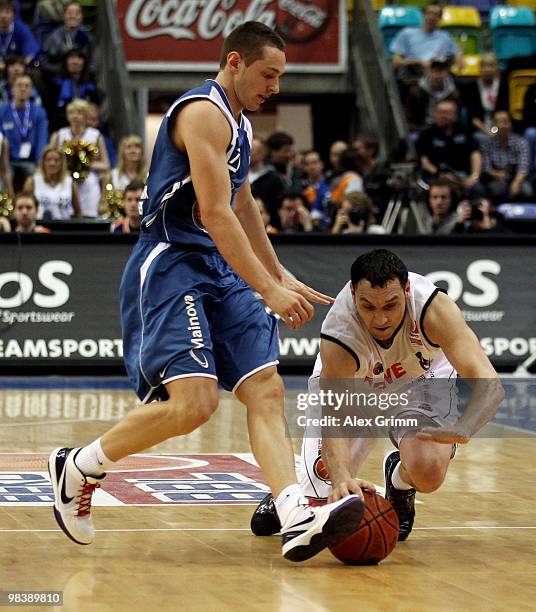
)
(375, 537)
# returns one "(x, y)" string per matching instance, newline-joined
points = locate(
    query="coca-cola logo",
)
(298, 21)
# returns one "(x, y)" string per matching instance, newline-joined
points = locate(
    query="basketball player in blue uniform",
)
(189, 316)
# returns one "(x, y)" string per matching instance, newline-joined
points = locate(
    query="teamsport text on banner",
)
(59, 301)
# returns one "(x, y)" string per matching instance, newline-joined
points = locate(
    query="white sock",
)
(286, 501)
(91, 459)
(398, 481)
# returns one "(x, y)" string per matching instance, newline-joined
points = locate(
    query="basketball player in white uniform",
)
(394, 331)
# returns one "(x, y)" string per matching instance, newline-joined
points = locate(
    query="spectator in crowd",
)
(484, 96)
(94, 121)
(414, 48)
(6, 184)
(529, 122)
(375, 175)
(132, 221)
(265, 215)
(316, 189)
(506, 162)
(479, 217)
(74, 83)
(5, 226)
(16, 38)
(78, 131)
(53, 187)
(266, 183)
(446, 149)
(293, 213)
(132, 165)
(71, 35)
(48, 16)
(15, 67)
(281, 153)
(25, 209)
(441, 202)
(421, 98)
(335, 152)
(356, 216)
(350, 179)
(25, 125)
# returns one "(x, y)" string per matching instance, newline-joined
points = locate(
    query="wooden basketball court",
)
(164, 543)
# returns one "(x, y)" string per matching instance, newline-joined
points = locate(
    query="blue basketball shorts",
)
(185, 314)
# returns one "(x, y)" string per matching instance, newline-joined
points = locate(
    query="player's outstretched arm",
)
(203, 132)
(336, 452)
(444, 325)
(248, 214)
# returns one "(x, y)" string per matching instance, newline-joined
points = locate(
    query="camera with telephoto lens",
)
(476, 212)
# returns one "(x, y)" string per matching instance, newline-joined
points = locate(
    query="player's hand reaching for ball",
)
(292, 307)
(290, 282)
(350, 486)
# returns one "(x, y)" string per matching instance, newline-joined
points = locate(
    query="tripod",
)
(404, 208)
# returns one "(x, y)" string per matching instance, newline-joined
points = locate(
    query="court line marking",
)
(148, 529)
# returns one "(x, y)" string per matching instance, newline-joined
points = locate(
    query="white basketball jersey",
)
(411, 355)
(55, 201)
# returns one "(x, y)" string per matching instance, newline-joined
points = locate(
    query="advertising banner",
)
(186, 35)
(59, 301)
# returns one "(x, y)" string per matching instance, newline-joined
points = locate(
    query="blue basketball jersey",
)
(169, 208)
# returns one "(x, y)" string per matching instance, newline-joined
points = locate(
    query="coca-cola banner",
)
(187, 34)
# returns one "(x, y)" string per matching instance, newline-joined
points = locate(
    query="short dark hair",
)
(278, 140)
(135, 185)
(294, 195)
(249, 39)
(379, 267)
(25, 194)
(7, 4)
(351, 159)
(440, 182)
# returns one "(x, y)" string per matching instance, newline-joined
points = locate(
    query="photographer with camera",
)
(478, 217)
(356, 216)
(294, 215)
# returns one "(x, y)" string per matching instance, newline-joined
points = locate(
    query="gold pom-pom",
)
(79, 155)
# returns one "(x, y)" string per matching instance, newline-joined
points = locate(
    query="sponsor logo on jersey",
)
(423, 362)
(392, 373)
(193, 322)
(199, 357)
(414, 336)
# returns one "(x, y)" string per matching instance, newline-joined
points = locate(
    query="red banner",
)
(187, 34)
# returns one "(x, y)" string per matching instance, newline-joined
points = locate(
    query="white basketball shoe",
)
(72, 495)
(308, 530)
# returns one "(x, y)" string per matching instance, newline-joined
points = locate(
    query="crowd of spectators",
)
(468, 155)
(50, 119)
